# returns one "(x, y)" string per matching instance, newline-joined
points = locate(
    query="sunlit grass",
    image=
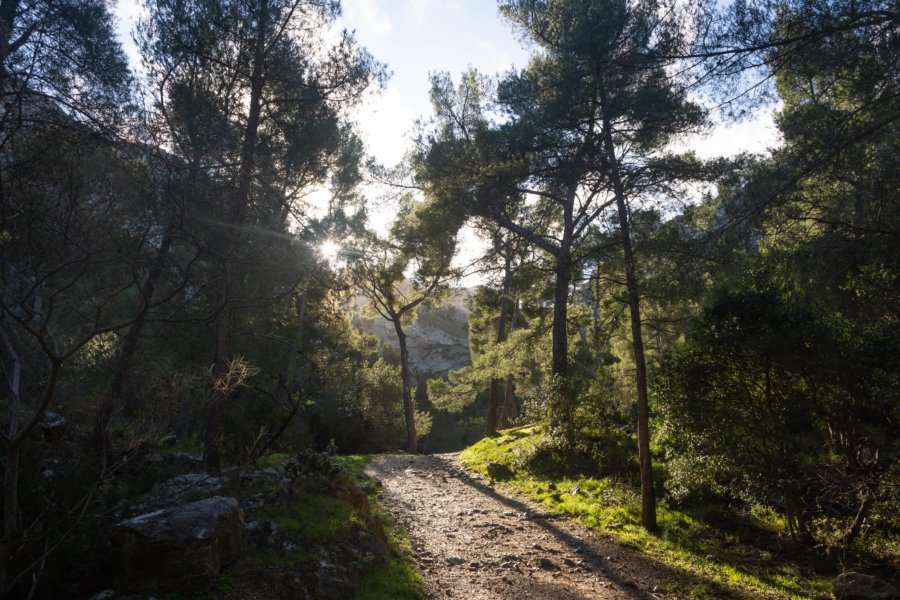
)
(713, 561)
(399, 581)
(321, 518)
(314, 516)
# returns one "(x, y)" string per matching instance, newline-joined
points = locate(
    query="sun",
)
(329, 250)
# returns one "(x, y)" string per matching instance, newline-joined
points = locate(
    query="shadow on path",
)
(632, 574)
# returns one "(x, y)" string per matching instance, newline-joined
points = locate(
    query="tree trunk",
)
(510, 410)
(561, 414)
(648, 495)
(412, 439)
(240, 201)
(13, 530)
(856, 526)
(8, 9)
(560, 313)
(212, 442)
(12, 526)
(794, 514)
(113, 397)
(494, 406)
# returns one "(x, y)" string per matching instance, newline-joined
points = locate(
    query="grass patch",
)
(398, 581)
(716, 556)
(315, 516)
(273, 459)
(355, 463)
(318, 518)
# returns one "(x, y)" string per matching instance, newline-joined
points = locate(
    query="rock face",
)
(179, 548)
(438, 340)
(856, 586)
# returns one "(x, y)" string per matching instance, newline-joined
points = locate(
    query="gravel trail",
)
(473, 542)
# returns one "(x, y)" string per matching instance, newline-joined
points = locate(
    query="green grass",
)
(715, 556)
(321, 518)
(314, 516)
(270, 460)
(398, 581)
(355, 463)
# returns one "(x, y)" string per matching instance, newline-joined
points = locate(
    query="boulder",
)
(180, 490)
(179, 548)
(856, 586)
(191, 486)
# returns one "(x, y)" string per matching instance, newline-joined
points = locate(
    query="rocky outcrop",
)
(438, 340)
(856, 586)
(179, 548)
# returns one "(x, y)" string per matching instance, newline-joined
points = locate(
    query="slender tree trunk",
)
(8, 9)
(113, 397)
(561, 414)
(412, 439)
(13, 531)
(12, 526)
(282, 393)
(212, 461)
(212, 443)
(648, 495)
(494, 406)
(560, 313)
(856, 526)
(795, 515)
(510, 410)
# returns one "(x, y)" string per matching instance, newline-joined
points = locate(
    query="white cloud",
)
(758, 135)
(368, 16)
(385, 122)
(126, 14)
(415, 12)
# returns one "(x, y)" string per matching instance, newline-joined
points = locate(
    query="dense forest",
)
(187, 252)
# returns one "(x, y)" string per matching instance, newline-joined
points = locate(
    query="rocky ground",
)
(471, 541)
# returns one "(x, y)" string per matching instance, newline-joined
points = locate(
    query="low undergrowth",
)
(714, 552)
(317, 517)
(398, 579)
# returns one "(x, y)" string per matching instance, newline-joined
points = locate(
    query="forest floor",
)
(472, 541)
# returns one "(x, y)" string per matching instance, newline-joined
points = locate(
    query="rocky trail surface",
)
(471, 541)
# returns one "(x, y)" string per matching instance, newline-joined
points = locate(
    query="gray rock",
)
(264, 534)
(334, 582)
(104, 595)
(53, 420)
(179, 548)
(856, 586)
(191, 485)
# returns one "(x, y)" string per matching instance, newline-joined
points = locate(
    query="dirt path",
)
(472, 542)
